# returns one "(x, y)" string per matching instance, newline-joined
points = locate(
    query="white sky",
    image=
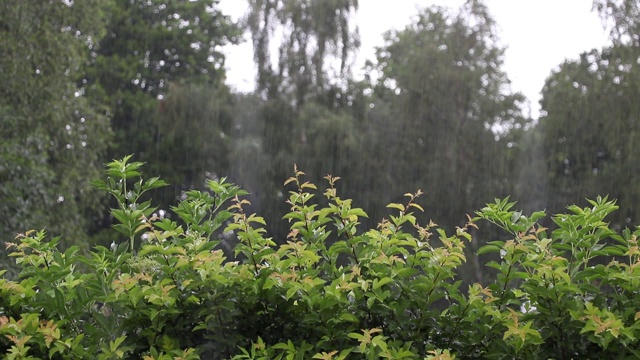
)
(538, 34)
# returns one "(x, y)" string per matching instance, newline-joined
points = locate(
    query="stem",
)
(350, 238)
(506, 283)
(175, 282)
(455, 326)
(224, 333)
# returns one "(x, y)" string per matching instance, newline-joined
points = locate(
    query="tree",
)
(150, 45)
(304, 110)
(450, 107)
(623, 19)
(446, 119)
(590, 125)
(313, 33)
(269, 143)
(590, 118)
(160, 69)
(193, 138)
(54, 135)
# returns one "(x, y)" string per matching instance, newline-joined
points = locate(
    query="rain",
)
(435, 110)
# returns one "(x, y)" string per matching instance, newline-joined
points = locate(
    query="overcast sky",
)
(538, 34)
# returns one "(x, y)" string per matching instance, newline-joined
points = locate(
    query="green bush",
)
(330, 291)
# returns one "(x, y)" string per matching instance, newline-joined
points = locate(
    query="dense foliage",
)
(53, 137)
(592, 146)
(160, 69)
(313, 34)
(379, 133)
(332, 290)
(433, 111)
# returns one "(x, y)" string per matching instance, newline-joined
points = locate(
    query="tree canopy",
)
(589, 121)
(161, 70)
(84, 82)
(441, 78)
(313, 33)
(54, 135)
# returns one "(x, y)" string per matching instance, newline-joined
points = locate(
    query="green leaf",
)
(396, 206)
(349, 317)
(489, 249)
(123, 216)
(358, 212)
(377, 283)
(292, 291)
(154, 183)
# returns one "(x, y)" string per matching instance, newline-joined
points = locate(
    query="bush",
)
(330, 291)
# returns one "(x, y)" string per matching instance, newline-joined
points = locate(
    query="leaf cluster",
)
(332, 290)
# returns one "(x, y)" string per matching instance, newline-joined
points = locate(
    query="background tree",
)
(192, 139)
(160, 69)
(590, 126)
(448, 122)
(54, 136)
(590, 118)
(436, 113)
(148, 46)
(313, 33)
(622, 17)
(304, 112)
(452, 110)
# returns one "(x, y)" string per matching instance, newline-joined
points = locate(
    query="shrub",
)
(329, 291)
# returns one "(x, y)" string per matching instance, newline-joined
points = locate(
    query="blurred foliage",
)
(54, 136)
(314, 34)
(442, 83)
(590, 127)
(622, 17)
(164, 50)
(434, 111)
(160, 70)
(380, 133)
(192, 138)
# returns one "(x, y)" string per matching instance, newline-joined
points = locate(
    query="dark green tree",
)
(450, 113)
(148, 46)
(590, 126)
(54, 136)
(446, 120)
(307, 111)
(193, 138)
(590, 120)
(160, 69)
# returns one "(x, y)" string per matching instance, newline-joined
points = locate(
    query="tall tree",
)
(54, 137)
(451, 109)
(590, 120)
(192, 141)
(447, 120)
(305, 117)
(623, 19)
(148, 45)
(314, 32)
(590, 125)
(160, 68)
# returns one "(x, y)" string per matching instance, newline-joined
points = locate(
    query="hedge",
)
(167, 288)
